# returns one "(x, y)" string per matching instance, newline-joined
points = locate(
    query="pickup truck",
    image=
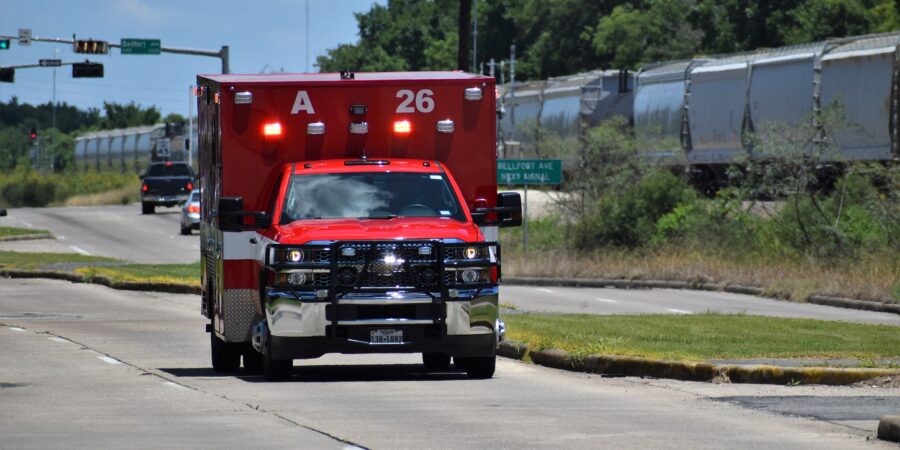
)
(167, 184)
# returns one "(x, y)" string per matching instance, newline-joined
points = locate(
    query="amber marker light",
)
(272, 129)
(402, 127)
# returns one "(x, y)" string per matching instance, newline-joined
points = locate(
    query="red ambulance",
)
(350, 213)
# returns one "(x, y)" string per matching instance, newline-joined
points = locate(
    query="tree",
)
(130, 115)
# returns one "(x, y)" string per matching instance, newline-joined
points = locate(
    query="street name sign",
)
(529, 171)
(50, 62)
(140, 46)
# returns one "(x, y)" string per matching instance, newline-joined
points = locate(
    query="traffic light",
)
(33, 134)
(87, 70)
(4, 44)
(7, 75)
(91, 47)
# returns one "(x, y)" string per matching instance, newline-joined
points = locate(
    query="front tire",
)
(275, 369)
(226, 357)
(436, 361)
(480, 368)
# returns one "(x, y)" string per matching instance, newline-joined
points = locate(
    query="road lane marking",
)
(678, 311)
(80, 250)
(109, 360)
(27, 224)
(606, 300)
(17, 329)
(174, 385)
(545, 290)
(59, 339)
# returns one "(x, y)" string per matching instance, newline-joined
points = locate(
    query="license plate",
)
(386, 337)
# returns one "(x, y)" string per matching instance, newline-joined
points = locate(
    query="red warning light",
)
(272, 129)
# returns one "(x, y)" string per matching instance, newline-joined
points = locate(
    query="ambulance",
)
(351, 213)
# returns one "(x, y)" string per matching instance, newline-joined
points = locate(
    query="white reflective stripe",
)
(237, 245)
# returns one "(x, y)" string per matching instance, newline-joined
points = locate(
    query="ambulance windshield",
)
(369, 195)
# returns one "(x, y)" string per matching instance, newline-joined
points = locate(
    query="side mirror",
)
(509, 209)
(230, 213)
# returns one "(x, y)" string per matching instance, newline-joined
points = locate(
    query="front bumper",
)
(303, 326)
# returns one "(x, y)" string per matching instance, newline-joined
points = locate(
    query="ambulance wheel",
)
(148, 208)
(275, 369)
(436, 361)
(480, 368)
(226, 357)
(253, 360)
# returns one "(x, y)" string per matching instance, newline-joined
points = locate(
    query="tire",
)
(253, 360)
(436, 361)
(185, 231)
(148, 208)
(226, 357)
(480, 368)
(275, 369)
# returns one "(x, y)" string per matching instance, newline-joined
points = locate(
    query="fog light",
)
(428, 276)
(347, 276)
(471, 252)
(297, 278)
(470, 276)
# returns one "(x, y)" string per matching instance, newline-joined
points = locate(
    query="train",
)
(132, 149)
(707, 113)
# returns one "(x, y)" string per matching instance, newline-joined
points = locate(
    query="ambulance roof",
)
(290, 78)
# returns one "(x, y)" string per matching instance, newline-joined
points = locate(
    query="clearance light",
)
(473, 94)
(243, 98)
(402, 127)
(359, 127)
(272, 129)
(315, 128)
(445, 126)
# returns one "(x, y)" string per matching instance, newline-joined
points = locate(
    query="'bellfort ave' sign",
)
(529, 171)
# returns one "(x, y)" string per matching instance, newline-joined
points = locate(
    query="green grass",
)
(153, 273)
(14, 231)
(21, 260)
(704, 336)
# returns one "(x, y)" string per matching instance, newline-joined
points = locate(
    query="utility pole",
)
(512, 85)
(491, 66)
(307, 36)
(475, 37)
(55, 56)
(465, 23)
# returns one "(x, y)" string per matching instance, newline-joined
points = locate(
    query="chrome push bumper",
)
(302, 325)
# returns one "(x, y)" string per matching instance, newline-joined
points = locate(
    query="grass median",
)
(6, 232)
(94, 266)
(702, 337)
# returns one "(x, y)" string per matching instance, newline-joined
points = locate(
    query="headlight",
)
(471, 252)
(297, 278)
(295, 255)
(289, 256)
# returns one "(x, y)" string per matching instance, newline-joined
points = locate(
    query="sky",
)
(263, 36)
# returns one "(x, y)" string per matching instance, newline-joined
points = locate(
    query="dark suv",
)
(167, 184)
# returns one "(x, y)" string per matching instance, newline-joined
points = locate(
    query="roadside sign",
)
(529, 171)
(24, 36)
(162, 148)
(50, 62)
(140, 46)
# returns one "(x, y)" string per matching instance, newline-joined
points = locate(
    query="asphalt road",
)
(87, 366)
(95, 367)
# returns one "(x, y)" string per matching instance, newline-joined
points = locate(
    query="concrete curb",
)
(839, 302)
(172, 288)
(616, 365)
(889, 428)
(27, 237)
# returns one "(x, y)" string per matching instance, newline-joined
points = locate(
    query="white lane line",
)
(606, 300)
(545, 290)
(174, 385)
(678, 311)
(109, 360)
(27, 224)
(59, 339)
(80, 250)
(17, 329)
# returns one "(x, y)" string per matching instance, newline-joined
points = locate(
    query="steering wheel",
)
(417, 210)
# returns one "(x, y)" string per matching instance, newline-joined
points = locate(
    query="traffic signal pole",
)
(222, 53)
